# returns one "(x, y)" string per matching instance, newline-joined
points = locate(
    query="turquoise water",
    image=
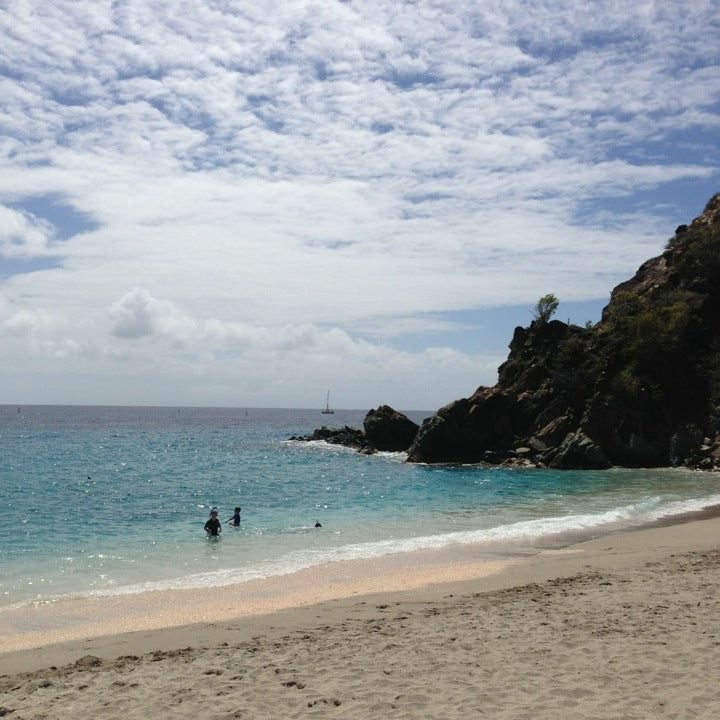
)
(113, 500)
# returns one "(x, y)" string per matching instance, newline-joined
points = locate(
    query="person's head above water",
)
(213, 513)
(317, 523)
(237, 509)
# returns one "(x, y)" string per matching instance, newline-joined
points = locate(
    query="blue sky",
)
(233, 203)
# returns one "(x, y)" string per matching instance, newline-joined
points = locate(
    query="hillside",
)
(639, 389)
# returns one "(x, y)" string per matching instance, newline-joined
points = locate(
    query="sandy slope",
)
(622, 627)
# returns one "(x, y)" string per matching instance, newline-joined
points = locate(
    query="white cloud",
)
(173, 357)
(281, 177)
(137, 314)
(29, 322)
(22, 235)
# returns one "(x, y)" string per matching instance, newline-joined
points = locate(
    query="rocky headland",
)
(641, 388)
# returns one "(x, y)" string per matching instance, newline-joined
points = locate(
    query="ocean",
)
(112, 500)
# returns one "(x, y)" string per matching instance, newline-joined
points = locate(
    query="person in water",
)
(235, 519)
(213, 527)
(317, 523)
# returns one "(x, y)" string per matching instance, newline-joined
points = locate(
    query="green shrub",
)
(702, 256)
(626, 384)
(642, 325)
(572, 352)
(546, 307)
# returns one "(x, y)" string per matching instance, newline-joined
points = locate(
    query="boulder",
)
(685, 442)
(537, 445)
(466, 429)
(439, 437)
(388, 429)
(579, 452)
(555, 431)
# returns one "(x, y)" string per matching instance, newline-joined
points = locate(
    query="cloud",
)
(29, 322)
(23, 235)
(173, 356)
(295, 176)
(137, 314)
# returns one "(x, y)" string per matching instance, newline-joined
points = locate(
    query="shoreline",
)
(528, 535)
(77, 618)
(166, 620)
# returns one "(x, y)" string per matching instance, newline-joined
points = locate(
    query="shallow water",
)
(113, 500)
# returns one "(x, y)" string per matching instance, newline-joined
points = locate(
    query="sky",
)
(247, 204)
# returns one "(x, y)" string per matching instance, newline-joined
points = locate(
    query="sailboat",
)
(326, 410)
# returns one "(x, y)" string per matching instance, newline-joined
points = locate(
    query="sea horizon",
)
(317, 408)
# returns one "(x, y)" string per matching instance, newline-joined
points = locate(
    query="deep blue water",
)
(100, 499)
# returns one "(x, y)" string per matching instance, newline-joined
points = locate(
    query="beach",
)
(620, 626)
(360, 360)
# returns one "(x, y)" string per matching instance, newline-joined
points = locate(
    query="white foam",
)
(646, 510)
(321, 445)
(324, 445)
(680, 507)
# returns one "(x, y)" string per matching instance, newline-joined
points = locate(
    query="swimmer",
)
(213, 527)
(235, 519)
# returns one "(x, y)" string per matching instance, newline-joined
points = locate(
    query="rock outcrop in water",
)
(384, 429)
(387, 429)
(347, 436)
(639, 389)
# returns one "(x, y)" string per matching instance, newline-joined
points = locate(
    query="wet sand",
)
(29, 626)
(623, 626)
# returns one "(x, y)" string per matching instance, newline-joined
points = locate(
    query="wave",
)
(398, 456)
(638, 513)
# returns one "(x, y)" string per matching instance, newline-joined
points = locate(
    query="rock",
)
(537, 445)
(517, 462)
(438, 439)
(685, 442)
(581, 453)
(88, 661)
(464, 430)
(555, 431)
(387, 429)
(492, 457)
(346, 436)
(647, 450)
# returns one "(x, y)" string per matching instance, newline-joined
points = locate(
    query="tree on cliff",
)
(545, 308)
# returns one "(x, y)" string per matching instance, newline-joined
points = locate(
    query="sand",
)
(625, 626)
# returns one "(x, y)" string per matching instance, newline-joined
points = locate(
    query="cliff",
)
(639, 389)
